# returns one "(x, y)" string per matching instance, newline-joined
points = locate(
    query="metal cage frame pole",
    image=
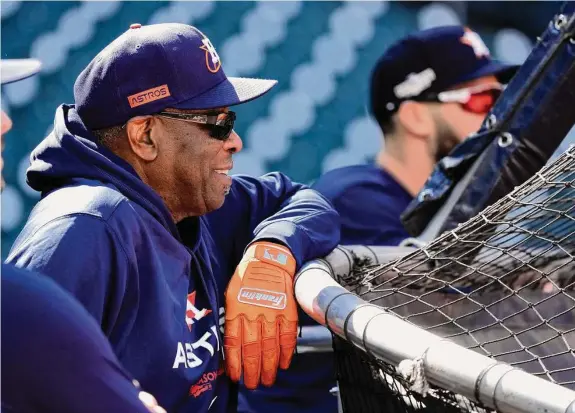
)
(386, 337)
(318, 339)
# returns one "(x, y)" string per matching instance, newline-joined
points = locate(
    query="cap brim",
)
(12, 70)
(501, 71)
(230, 92)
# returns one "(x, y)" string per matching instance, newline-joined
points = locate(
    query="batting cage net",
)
(502, 284)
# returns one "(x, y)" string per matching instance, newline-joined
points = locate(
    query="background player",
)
(428, 92)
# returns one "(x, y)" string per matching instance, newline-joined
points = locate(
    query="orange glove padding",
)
(261, 315)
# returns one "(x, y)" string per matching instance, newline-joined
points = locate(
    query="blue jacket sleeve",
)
(274, 208)
(83, 256)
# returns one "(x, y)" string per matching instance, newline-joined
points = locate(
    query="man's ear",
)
(416, 118)
(139, 131)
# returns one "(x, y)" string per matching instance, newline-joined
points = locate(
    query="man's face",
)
(453, 123)
(193, 163)
(6, 123)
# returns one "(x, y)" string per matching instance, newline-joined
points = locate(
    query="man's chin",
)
(218, 201)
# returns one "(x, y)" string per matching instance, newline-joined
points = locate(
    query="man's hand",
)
(261, 315)
(149, 401)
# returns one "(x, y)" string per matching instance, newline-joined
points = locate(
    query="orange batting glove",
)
(261, 315)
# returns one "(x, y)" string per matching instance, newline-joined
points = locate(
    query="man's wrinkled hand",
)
(261, 315)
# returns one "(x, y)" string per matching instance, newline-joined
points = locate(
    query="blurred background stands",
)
(321, 53)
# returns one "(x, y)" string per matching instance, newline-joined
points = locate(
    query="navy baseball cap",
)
(13, 70)
(150, 68)
(431, 61)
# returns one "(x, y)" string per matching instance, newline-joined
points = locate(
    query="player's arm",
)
(84, 256)
(274, 208)
(284, 224)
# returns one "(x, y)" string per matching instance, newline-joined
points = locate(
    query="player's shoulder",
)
(87, 201)
(50, 338)
(84, 207)
(84, 196)
(21, 285)
(337, 182)
(40, 303)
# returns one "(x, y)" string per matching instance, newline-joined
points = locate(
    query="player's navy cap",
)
(430, 61)
(150, 68)
(12, 70)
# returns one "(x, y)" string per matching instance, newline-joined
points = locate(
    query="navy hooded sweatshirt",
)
(370, 202)
(157, 288)
(55, 358)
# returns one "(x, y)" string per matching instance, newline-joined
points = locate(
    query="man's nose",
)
(234, 143)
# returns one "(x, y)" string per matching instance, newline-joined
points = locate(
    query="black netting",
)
(501, 284)
(367, 385)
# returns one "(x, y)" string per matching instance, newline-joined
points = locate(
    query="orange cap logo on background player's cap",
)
(474, 41)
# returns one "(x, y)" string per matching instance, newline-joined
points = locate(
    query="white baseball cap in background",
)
(12, 70)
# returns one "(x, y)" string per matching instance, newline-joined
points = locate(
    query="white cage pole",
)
(318, 339)
(388, 338)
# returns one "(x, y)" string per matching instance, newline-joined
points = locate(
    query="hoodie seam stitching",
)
(113, 231)
(307, 216)
(294, 223)
(96, 217)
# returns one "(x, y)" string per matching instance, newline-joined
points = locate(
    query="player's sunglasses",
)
(221, 124)
(477, 99)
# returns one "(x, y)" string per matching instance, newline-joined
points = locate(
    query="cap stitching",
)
(173, 69)
(205, 91)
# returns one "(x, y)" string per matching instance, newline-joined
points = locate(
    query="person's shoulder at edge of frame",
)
(36, 311)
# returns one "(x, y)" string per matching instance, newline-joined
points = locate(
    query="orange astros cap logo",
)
(148, 96)
(213, 62)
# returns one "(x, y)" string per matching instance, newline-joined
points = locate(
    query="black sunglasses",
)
(221, 123)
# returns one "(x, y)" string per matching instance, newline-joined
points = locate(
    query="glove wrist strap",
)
(274, 254)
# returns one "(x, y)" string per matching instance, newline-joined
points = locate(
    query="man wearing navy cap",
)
(54, 355)
(428, 92)
(140, 220)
